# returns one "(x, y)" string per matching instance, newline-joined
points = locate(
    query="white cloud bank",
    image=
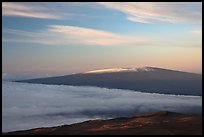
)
(159, 12)
(72, 35)
(26, 106)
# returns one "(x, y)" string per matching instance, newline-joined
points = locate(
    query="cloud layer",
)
(155, 12)
(26, 106)
(23, 10)
(159, 12)
(143, 12)
(72, 35)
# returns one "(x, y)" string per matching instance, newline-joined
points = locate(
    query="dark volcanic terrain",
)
(147, 79)
(160, 123)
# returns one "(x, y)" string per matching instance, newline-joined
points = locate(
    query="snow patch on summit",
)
(121, 70)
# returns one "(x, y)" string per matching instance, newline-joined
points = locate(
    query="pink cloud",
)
(22, 10)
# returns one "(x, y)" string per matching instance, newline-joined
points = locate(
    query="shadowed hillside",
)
(148, 79)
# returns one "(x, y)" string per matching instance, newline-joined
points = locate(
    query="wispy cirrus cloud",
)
(72, 35)
(25, 10)
(143, 12)
(159, 12)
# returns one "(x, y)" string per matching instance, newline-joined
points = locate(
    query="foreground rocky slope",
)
(163, 122)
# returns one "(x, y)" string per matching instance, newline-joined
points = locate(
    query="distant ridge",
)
(145, 79)
(138, 69)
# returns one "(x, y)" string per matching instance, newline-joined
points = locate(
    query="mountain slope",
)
(148, 79)
(160, 123)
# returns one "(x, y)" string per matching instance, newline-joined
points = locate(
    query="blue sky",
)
(62, 38)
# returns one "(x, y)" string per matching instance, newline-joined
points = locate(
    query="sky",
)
(56, 38)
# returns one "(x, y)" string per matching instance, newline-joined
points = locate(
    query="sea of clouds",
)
(27, 106)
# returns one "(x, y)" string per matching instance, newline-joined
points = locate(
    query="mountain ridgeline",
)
(148, 79)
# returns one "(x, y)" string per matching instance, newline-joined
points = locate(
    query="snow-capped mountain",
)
(145, 79)
(121, 70)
